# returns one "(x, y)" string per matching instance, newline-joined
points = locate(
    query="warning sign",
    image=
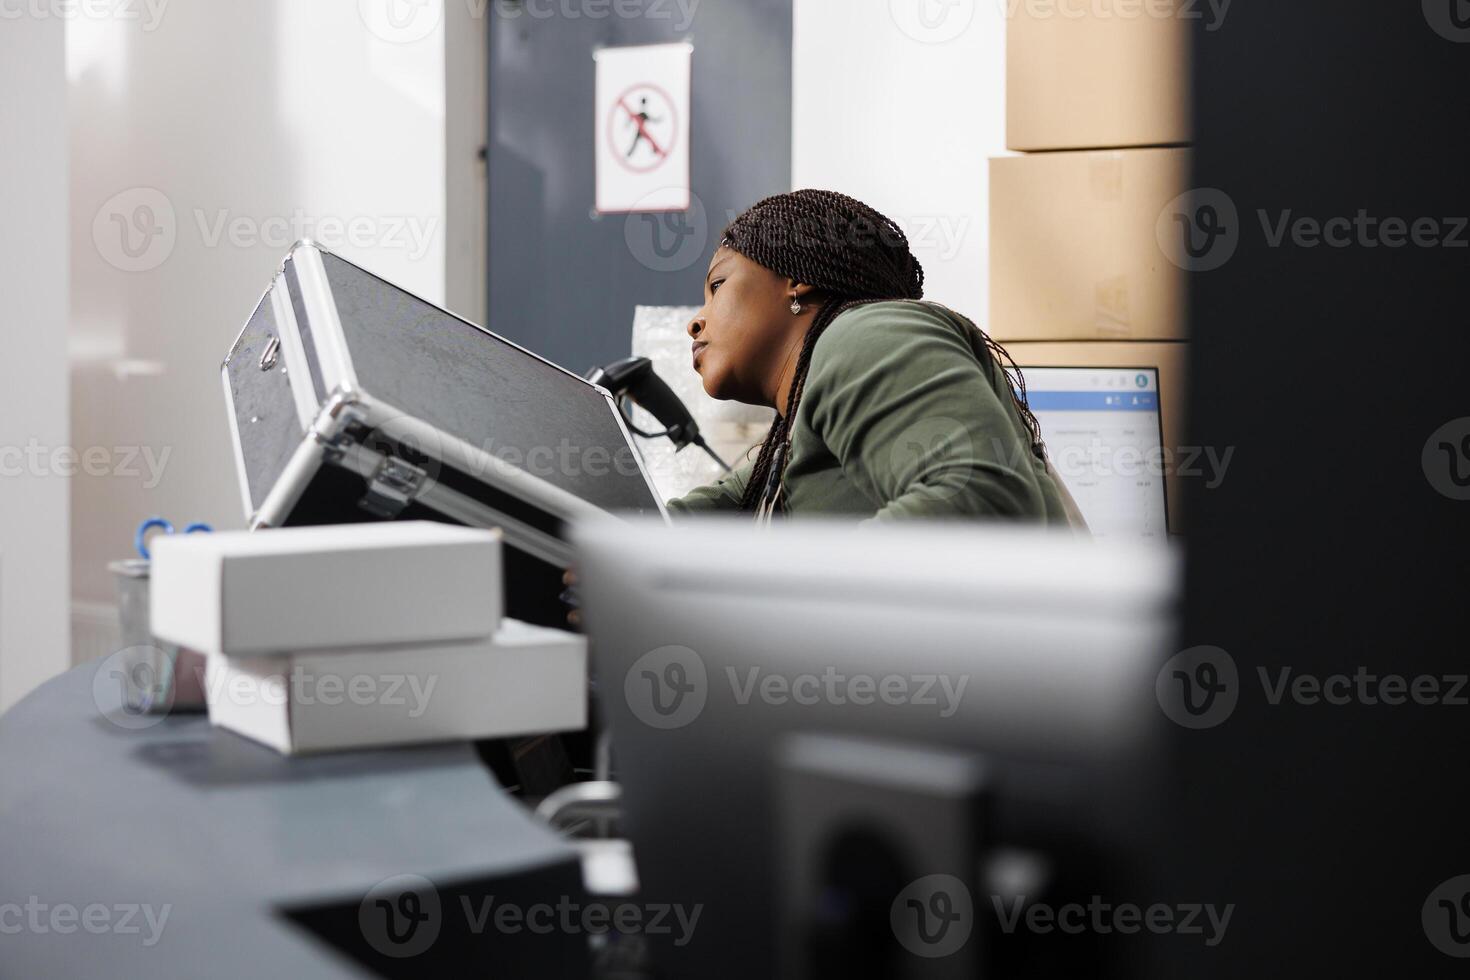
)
(643, 128)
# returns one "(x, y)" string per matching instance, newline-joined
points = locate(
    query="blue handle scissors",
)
(167, 528)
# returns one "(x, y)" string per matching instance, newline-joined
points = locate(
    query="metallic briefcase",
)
(353, 400)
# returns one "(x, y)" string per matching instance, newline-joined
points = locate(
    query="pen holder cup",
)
(157, 677)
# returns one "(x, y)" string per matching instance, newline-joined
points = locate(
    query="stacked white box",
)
(363, 635)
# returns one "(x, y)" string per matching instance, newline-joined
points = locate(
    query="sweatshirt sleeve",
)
(898, 395)
(721, 496)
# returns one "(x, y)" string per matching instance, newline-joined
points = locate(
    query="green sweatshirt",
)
(905, 414)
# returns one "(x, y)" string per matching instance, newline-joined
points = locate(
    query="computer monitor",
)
(714, 644)
(1104, 435)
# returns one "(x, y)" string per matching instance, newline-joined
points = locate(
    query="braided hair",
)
(850, 255)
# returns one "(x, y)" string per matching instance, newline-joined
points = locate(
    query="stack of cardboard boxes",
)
(1098, 101)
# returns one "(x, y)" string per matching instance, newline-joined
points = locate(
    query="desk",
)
(226, 834)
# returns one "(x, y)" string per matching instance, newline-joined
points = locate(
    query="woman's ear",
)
(800, 290)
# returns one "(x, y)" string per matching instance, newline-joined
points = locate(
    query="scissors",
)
(167, 528)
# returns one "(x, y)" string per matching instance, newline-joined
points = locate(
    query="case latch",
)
(392, 487)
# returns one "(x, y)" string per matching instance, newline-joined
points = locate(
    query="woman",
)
(886, 407)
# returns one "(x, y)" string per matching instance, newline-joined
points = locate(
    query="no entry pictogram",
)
(642, 128)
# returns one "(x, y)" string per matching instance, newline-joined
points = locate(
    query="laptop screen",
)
(1104, 435)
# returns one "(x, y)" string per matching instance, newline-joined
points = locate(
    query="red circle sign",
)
(642, 128)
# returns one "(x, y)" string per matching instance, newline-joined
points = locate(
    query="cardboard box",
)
(1099, 73)
(1074, 252)
(1169, 359)
(524, 680)
(299, 588)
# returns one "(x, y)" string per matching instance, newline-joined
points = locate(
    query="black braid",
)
(850, 255)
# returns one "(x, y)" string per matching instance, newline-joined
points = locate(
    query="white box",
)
(524, 680)
(302, 588)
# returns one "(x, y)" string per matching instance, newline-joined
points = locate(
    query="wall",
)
(205, 140)
(564, 281)
(33, 377)
(899, 103)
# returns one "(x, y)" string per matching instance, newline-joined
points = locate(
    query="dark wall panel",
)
(1338, 543)
(563, 281)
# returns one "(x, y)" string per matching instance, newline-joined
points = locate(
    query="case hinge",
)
(392, 487)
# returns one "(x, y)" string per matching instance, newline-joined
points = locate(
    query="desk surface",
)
(223, 833)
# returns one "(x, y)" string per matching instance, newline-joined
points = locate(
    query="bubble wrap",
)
(731, 428)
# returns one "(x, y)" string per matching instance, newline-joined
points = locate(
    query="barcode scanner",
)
(633, 378)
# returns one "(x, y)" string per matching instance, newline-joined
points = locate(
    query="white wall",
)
(33, 377)
(900, 103)
(243, 126)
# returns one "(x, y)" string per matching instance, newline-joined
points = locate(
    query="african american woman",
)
(886, 406)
